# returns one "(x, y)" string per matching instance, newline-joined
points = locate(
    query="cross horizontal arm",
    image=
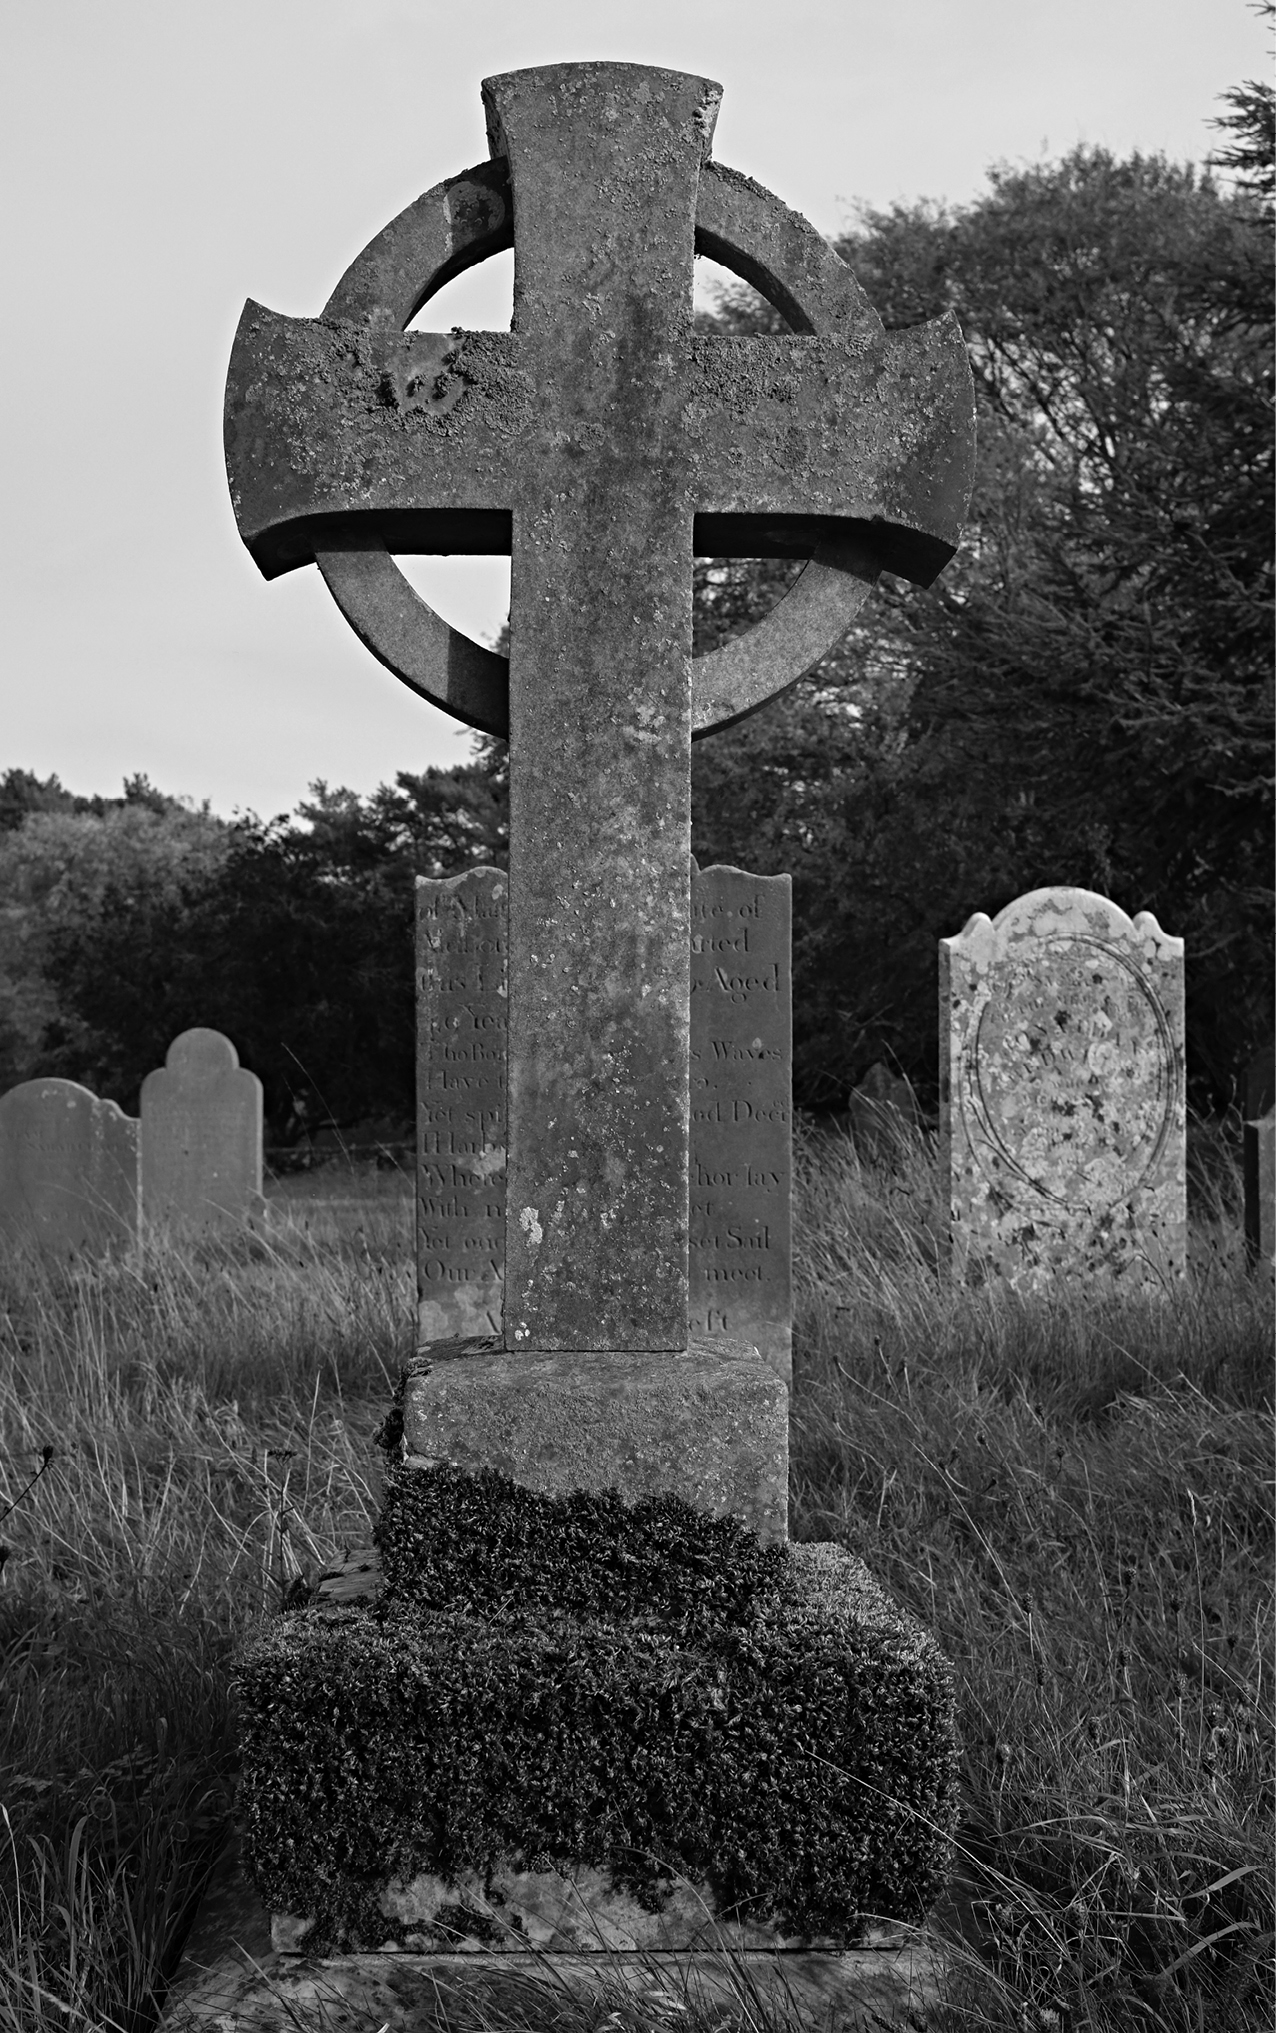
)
(328, 420)
(875, 431)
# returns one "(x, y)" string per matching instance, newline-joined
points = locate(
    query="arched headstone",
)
(1062, 1127)
(201, 1135)
(68, 1168)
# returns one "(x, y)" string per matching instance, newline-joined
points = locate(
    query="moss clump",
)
(799, 1761)
(451, 1539)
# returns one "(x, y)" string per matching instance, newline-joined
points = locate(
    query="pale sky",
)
(163, 160)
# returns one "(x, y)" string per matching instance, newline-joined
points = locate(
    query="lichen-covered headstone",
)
(461, 935)
(740, 1256)
(68, 1168)
(1062, 1126)
(201, 1135)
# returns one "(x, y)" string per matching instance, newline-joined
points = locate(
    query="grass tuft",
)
(1073, 1492)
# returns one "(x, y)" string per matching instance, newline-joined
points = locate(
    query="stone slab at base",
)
(231, 1981)
(709, 1425)
(857, 1991)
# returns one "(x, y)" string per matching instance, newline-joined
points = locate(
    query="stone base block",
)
(433, 1779)
(710, 1425)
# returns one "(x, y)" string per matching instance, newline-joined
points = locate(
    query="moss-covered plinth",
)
(673, 1735)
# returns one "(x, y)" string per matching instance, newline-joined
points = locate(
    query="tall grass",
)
(1074, 1492)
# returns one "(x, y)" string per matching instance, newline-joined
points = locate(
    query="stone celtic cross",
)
(603, 442)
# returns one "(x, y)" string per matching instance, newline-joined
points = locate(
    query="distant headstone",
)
(741, 1112)
(201, 1135)
(1259, 1157)
(68, 1168)
(461, 1047)
(882, 1110)
(1062, 1128)
(741, 1141)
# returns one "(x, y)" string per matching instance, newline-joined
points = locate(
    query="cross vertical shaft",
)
(600, 626)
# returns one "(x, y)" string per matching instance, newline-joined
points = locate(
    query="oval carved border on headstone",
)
(980, 1096)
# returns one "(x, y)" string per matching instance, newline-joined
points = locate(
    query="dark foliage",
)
(300, 949)
(1085, 696)
(453, 1539)
(800, 1760)
(23, 792)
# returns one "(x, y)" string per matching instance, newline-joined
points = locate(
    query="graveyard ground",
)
(1074, 1494)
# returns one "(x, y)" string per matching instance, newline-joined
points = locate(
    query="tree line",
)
(1085, 696)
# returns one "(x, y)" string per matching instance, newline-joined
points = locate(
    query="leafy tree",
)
(296, 940)
(1251, 155)
(73, 879)
(1085, 694)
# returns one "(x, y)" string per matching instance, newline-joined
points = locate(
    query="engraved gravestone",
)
(201, 1135)
(461, 1045)
(68, 1168)
(1062, 1124)
(741, 1111)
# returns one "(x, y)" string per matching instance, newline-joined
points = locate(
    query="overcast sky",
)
(161, 161)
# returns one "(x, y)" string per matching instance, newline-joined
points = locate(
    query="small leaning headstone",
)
(741, 1139)
(461, 1046)
(1062, 1125)
(68, 1168)
(1259, 1157)
(201, 1135)
(882, 1111)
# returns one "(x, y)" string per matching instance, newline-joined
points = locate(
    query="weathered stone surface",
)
(864, 1990)
(740, 1271)
(741, 1113)
(68, 1168)
(461, 931)
(561, 1912)
(592, 439)
(602, 442)
(1258, 1156)
(201, 1115)
(709, 1423)
(1062, 1128)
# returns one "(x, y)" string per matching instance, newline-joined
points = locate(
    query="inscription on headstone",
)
(739, 1282)
(1062, 1125)
(741, 1113)
(68, 1168)
(461, 1050)
(201, 1135)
